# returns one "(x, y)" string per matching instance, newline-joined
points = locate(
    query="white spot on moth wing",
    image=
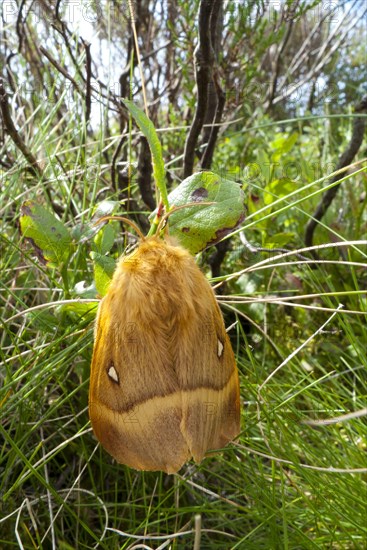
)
(220, 348)
(112, 373)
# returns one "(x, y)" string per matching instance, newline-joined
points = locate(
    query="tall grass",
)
(295, 478)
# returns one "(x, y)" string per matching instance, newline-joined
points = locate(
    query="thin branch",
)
(19, 24)
(215, 103)
(131, 205)
(204, 58)
(216, 259)
(115, 158)
(61, 70)
(257, 249)
(21, 145)
(145, 170)
(207, 158)
(14, 134)
(320, 62)
(276, 63)
(359, 124)
(88, 91)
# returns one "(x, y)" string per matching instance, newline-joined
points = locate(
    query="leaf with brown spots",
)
(197, 227)
(48, 235)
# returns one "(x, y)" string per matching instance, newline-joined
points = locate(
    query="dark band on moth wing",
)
(112, 373)
(189, 387)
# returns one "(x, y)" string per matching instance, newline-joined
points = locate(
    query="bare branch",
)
(359, 125)
(277, 59)
(14, 134)
(204, 58)
(207, 158)
(88, 91)
(145, 170)
(61, 70)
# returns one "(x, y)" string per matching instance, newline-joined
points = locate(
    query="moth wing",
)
(209, 381)
(134, 398)
(164, 382)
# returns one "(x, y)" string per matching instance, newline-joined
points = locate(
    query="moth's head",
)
(159, 245)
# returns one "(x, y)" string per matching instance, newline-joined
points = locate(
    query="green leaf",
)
(49, 237)
(278, 188)
(278, 240)
(77, 310)
(44, 320)
(284, 143)
(147, 127)
(105, 239)
(104, 266)
(197, 227)
(83, 232)
(84, 290)
(105, 208)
